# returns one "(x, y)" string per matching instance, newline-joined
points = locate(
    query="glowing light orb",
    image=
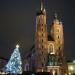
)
(17, 46)
(71, 68)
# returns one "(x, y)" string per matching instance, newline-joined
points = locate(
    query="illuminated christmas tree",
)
(14, 65)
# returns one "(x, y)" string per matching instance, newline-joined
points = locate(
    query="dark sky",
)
(17, 24)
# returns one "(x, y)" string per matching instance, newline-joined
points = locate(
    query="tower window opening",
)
(58, 37)
(42, 52)
(44, 59)
(59, 48)
(42, 64)
(57, 30)
(42, 40)
(42, 46)
(42, 29)
(42, 34)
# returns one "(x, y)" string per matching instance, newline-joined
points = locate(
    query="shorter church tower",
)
(56, 61)
(57, 35)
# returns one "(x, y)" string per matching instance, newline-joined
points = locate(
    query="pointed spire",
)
(56, 20)
(41, 5)
(55, 15)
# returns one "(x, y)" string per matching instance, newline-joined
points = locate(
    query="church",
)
(47, 55)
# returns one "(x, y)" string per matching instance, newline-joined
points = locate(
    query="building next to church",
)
(71, 67)
(48, 51)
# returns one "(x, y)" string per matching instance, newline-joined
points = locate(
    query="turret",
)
(57, 30)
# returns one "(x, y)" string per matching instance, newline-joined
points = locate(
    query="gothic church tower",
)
(41, 39)
(57, 35)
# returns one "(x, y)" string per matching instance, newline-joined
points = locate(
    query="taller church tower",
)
(41, 39)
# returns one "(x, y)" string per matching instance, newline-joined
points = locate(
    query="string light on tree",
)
(14, 65)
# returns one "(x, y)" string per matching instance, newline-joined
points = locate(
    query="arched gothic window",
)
(51, 49)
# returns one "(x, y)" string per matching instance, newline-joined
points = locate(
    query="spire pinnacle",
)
(56, 20)
(55, 15)
(41, 5)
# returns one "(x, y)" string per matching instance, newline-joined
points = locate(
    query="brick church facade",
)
(47, 55)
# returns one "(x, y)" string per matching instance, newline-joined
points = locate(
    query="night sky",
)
(18, 20)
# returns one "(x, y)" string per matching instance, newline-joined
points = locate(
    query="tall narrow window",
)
(44, 58)
(57, 30)
(51, 49)
(58, 37)
(42, 40)
(42, 35)
(42, 52)
(42, 29)
(42, 64)
(59, 48)
(42, 46)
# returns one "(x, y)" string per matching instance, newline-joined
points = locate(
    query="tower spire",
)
(41, 5)
(55, 15)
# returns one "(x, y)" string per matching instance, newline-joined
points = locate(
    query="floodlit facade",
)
(48, 54)
(49, 47)
(71, 68)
